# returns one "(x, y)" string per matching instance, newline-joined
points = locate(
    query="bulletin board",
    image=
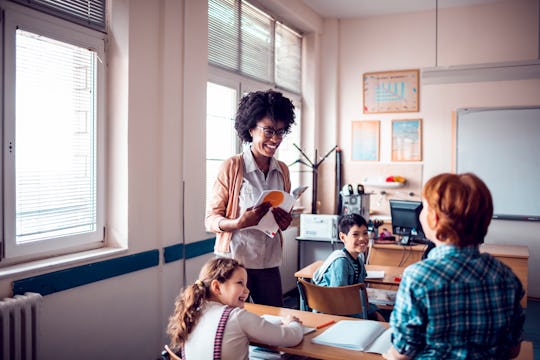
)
(502, 147)
(391, 91)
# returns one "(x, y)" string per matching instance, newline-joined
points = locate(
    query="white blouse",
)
(251, 247)
(242, 327)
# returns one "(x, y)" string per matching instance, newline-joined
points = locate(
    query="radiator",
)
(19, 317)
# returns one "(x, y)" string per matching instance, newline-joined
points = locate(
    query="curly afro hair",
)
(260, 104)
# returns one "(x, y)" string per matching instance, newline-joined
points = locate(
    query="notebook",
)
(277, 320)
(361, 335)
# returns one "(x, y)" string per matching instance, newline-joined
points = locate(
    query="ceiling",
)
(362, 8)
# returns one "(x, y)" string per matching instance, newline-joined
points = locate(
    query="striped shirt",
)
(458, 304)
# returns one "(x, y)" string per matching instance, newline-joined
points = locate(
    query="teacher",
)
(263, 118)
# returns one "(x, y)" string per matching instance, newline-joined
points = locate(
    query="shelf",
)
(385, 185)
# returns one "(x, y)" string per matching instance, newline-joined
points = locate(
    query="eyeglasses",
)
(269, 132)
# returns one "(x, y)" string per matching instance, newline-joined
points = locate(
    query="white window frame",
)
(16, 16)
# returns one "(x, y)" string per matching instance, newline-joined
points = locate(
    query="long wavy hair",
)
(190, 302)
(464, 206)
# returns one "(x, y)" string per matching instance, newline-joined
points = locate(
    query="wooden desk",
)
(515, 256)
(390, 273)
(307, 348)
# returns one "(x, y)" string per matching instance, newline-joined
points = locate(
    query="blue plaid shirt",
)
(457, 304)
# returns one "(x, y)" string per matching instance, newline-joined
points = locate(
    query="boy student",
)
(458, 303)
(346, 266)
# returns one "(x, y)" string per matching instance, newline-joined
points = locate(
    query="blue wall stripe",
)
(85, 274)
(200, 248)
(173, 253)
(81, 275)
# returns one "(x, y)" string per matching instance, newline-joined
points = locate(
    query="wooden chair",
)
(339, 300)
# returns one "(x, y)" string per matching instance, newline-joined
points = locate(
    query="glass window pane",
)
(220, 133)
(55, 157)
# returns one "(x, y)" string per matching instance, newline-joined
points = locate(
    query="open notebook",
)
(277, 320)
(361, 335)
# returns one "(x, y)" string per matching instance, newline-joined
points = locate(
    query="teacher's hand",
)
(253, 215)
(283, 218)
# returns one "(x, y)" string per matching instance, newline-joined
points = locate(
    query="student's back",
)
(471, 297)
(457, 303)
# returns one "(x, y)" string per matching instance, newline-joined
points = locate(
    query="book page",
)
(277, 198)
(382, 343)
(274, 319)
(351, 334)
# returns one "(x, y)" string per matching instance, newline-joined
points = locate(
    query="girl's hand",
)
(283, 218)
(287, 319)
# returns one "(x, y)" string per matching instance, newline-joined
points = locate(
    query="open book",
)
(274, 319)
(280, 199)
(362, 335)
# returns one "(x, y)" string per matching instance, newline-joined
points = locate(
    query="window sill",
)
(59, 262)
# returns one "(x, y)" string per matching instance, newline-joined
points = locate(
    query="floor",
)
(531, 328)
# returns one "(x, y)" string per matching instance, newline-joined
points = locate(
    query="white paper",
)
(375, 274)
(361, 335)
(274, 319)
(268, 223)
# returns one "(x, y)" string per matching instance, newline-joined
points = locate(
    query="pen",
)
(325, 324)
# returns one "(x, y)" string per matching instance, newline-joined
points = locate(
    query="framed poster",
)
(365, 140)
(407, 140)
(391, 91)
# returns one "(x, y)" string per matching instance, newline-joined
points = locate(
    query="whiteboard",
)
(502, 147)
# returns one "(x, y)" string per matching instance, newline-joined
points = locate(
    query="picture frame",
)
(391, 91)
(407, 140)
(365, 140)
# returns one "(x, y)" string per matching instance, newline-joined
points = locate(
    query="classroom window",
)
(53, 141)
(221, 138)
(245, 40)
(248, 50)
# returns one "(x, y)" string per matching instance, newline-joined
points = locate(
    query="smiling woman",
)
(263, 119)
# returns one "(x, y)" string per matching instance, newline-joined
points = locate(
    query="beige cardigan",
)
(224, 203)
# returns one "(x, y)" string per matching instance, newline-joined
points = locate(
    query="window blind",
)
(55, 137)
(88, 13)
(288, 58)
(245, 40)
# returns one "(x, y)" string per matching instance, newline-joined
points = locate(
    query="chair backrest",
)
(339, 300)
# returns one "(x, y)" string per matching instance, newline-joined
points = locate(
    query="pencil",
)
(325, 324)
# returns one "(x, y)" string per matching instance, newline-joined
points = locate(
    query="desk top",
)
(498, 250)
(307, 348)
(390, 273)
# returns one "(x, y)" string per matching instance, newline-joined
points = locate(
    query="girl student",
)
(210, 322)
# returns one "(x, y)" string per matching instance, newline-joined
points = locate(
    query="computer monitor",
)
(406, 221)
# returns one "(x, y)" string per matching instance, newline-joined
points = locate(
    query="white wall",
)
(506, 31)
(156, 67)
